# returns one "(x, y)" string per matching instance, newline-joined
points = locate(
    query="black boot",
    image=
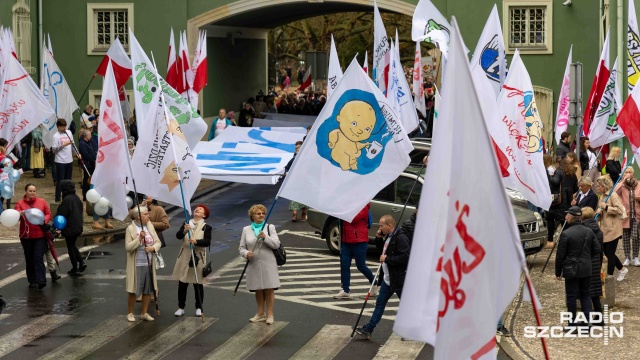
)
(54, 276)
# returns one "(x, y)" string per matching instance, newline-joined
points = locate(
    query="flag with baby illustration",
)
(356, 147)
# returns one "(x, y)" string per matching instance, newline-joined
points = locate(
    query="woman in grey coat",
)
(257, 245)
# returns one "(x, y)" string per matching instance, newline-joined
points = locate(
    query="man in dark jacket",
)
(394, 247)
(576, 242)
(71, 209)
(409, 225)
(563, 147)
(586, 196)
(89, 154)
(595, 288)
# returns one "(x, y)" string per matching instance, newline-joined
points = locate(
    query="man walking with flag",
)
(394, 246)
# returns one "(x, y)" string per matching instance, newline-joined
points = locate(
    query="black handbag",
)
(207, 268)
(570, 265)
(280, 253)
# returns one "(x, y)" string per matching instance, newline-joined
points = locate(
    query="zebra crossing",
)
(311, 278)
(326, 344)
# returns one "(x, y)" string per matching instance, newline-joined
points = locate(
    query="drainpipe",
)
(40, 56)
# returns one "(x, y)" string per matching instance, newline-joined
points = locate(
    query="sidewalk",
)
(552, 296)
(46, 190)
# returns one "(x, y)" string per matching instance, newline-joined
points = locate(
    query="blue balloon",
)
(14, 175)
(59, 222)
(6, 192)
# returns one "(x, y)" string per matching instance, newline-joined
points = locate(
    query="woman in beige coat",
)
(141, 241)
(257, 245)
(629, 193)
(610, 219)
(197, 235)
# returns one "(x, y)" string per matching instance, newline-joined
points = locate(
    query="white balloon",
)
(103, 201)
(93, 196)
(9, 217)
(100, 209)
(129, 202)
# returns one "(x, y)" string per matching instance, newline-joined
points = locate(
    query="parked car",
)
(391, 200)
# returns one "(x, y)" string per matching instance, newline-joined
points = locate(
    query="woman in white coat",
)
(142, 244)
(257, 245)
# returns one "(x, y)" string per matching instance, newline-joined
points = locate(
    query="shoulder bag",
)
(280, 253)
(207, 268)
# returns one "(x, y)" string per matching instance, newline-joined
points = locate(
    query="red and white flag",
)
(365, 65)
(306, 81)
(464, 270)
(629, 118)
(120, 62)
(172, 64)
(112, 149)
(562, 117)
(597, 87)
(624, 159)
(199, 66)
(418, 88)
(381, 55)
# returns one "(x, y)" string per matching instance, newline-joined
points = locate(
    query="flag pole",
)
(555, 243)
(184, 204)
(77, 153)
(620, 178)
(535, 311)
(255, 245)
(135, 191)
(599, 151)
(87, 88)
(375, 278)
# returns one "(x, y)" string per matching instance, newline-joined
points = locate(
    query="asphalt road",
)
(85, 317)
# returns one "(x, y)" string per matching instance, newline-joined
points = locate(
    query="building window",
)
(527, 26)
(22, 33)
(107, 22)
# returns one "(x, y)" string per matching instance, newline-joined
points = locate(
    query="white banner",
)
(604, 128)
(399, 93)
(335, 71)
(429, 25)
(381, 56)
(562, 117)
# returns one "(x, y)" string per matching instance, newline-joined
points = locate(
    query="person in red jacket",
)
(354, 245)
(32, 237)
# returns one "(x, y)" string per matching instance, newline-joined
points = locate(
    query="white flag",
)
(56, 90)
(192, 125)
(463, 270)
(111, 171)
(399, 93)
(335, 72)
(490, 53)
(365, 64)
(604, 128)
(381, 55)
(162, 146)
(356, 147)
(429, 25)
(22, 105)
(633, 47)
(519, 115)
(562, 117)
(418, 87)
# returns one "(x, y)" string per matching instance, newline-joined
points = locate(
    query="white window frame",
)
(548, 21)
(92, 26)
(95, 95)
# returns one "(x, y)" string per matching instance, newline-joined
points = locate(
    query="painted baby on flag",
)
(356, 147)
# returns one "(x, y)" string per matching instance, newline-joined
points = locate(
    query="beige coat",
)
(623, 193)
(131, 244)
(182, 271)
(262, 271)
(610, 220)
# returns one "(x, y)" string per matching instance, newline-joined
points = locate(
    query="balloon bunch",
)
(101, 204)
(10, 176)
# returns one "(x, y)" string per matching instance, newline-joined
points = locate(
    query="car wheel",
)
(333, 236)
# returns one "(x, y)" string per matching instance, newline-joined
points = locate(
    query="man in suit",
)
(586, 196)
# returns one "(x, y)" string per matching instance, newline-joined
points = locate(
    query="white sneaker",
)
(622, 273)
(179, 312)
(636, 262)
(342, 295)
(375, 290)
(198, 312)
(626, 262)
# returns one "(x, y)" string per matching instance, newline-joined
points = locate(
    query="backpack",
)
(280, 253)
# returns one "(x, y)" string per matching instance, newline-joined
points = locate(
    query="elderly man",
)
(394, 247)
(629, 192)
(586, 196)
(218, 125)
(573, 262)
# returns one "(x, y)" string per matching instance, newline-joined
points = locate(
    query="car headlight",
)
(539, 220)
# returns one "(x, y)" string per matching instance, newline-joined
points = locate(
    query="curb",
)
(170, 208)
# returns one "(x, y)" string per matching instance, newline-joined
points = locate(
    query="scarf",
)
(195, 224)
(256, 228)
(632, 184)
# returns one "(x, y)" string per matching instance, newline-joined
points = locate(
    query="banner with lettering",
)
(463, 270)
(562, 117)
(604, 128)
(145, 80)
(633, 47)
(335, 71)
(22, 106)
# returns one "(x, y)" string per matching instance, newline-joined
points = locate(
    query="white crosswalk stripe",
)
(326, 344)
(4, 316)
(311, 278)
(397, 349)
(31, 331)
(170, 339)
(92, 340)
(246, 341)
